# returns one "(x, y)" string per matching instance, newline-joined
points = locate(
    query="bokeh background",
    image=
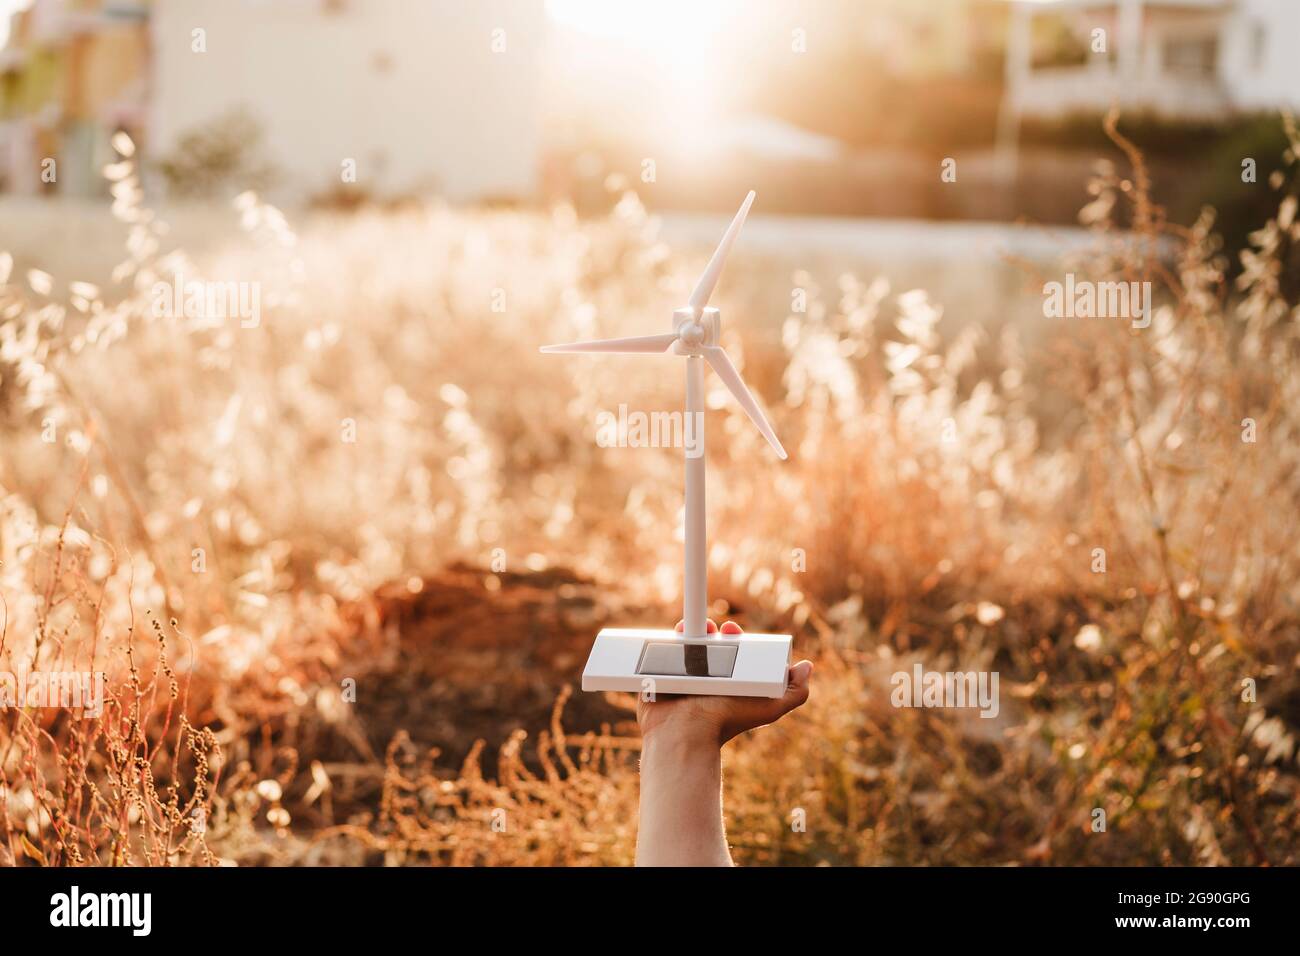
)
(342, 565)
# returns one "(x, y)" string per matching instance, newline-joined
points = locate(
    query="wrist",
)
(682, 740)
(681, 796)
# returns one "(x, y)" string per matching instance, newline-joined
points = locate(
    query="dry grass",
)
(310, 660)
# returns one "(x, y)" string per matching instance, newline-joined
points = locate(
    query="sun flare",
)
(668, 45)
(671, 30)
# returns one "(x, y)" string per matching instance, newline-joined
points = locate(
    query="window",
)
(1258, 46)
(1191, 56)
(1054, 42)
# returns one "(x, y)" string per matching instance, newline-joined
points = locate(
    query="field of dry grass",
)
(361, 651)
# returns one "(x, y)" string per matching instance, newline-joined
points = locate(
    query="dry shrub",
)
(946, 496)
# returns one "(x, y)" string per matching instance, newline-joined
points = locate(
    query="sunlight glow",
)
(674, 29)
(675, 40)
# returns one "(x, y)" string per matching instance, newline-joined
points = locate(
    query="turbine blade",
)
(721, 363)
(704, 288)
(637, 343)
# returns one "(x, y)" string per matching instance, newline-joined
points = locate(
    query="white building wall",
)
(1260, 54)
(1258, 61)
(412, 90)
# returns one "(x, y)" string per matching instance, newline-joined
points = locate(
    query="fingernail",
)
(800, 673)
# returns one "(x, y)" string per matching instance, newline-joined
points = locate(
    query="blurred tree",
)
(1244, 203)
(217, 158)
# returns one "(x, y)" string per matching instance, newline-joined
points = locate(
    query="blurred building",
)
(71, 75)
(375, 98)
(1183, 59)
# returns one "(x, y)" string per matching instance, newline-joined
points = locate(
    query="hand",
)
(715, 720)
(681, 766)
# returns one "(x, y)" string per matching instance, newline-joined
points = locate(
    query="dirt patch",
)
(481, 655)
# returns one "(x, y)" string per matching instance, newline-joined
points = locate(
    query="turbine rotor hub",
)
(696, 328)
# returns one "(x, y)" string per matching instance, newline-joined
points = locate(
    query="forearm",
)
(681, 802)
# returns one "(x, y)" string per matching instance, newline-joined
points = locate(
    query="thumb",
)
(797, 692)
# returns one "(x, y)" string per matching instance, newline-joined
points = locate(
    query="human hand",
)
(715, 720)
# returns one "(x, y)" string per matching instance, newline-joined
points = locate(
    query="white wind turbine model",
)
(692, 662)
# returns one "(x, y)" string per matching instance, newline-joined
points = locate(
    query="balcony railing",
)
(1058, 90)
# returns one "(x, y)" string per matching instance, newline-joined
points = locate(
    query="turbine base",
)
(654, 661)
